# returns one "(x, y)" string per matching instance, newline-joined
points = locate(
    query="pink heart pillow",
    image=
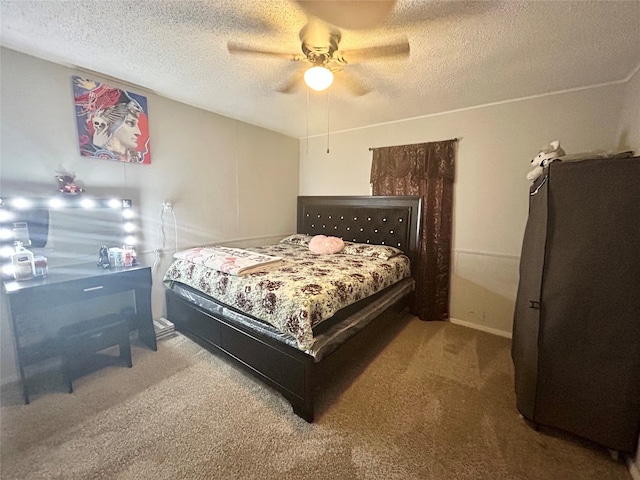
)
(323, 245)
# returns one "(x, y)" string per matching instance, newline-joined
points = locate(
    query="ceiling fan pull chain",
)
(307, 119)
(328, 115)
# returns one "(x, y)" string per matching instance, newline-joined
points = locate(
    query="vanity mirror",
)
(64, 230)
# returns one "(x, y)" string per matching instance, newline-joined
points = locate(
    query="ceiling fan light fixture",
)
(318, 78)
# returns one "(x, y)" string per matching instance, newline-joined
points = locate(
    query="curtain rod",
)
(450, 140)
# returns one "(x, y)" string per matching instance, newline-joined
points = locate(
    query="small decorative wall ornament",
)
(112, 123)
(67, 183)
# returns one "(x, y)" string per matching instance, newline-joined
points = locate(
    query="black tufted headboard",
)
(380, 220)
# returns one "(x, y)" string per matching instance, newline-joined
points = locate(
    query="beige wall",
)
(227, 180)
(629, 131)
(496, 145)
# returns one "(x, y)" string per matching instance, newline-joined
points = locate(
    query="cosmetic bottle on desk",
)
(23, 263)
(103, 257)
(127, 255)
(41, 266)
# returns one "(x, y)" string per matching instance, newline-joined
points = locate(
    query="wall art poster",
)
(112, 123)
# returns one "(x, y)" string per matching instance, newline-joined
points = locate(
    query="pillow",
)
(323, 245)
(297, 239)
(383, 252)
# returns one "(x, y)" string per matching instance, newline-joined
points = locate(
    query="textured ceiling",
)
(463, 54)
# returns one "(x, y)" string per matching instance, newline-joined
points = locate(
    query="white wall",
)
(227, 180)
(496, 145)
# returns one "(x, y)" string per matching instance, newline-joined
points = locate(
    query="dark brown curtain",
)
(425, 169)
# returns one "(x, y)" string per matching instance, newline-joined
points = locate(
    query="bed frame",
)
(384, 220)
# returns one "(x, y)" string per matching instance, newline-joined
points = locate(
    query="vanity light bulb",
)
(129, 227)
(56, 203)
(5, 216)
(127, 213)
(20, 203)
(6, 251)
(8, 269)
(88, 203)
(130, 240)
(6, 234)
(114, 203)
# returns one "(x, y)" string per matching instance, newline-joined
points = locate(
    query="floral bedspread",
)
(300, 292)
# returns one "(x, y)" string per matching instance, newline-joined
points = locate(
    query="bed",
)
(288, 356)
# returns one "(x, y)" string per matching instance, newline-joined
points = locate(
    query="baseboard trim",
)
(634, 468)
(493, 331)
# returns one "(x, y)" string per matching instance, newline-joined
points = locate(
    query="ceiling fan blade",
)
(399, 49)
(349, 14)
(234, 47)
(354, 85)
(293, 83)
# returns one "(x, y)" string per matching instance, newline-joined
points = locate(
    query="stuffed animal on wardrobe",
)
(544, 157)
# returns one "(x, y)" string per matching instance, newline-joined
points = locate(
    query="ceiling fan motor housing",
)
(319, 44)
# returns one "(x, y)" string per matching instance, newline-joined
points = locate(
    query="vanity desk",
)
(30, 299)
(78, 308)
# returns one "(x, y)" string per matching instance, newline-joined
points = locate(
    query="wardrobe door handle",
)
(534, 304)
(90, 289)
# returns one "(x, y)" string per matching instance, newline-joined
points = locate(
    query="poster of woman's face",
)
(112, 123)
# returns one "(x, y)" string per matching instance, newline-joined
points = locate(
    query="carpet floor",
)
(421, 400)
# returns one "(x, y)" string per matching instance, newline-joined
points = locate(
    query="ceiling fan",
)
(320, 43)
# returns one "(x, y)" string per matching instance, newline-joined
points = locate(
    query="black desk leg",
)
(144, 317)
(23, 383)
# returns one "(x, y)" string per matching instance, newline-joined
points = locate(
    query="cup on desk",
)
(116, 256)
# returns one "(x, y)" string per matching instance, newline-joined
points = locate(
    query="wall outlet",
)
(167, 206)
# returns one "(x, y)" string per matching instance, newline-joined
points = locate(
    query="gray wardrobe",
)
(576, 332)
